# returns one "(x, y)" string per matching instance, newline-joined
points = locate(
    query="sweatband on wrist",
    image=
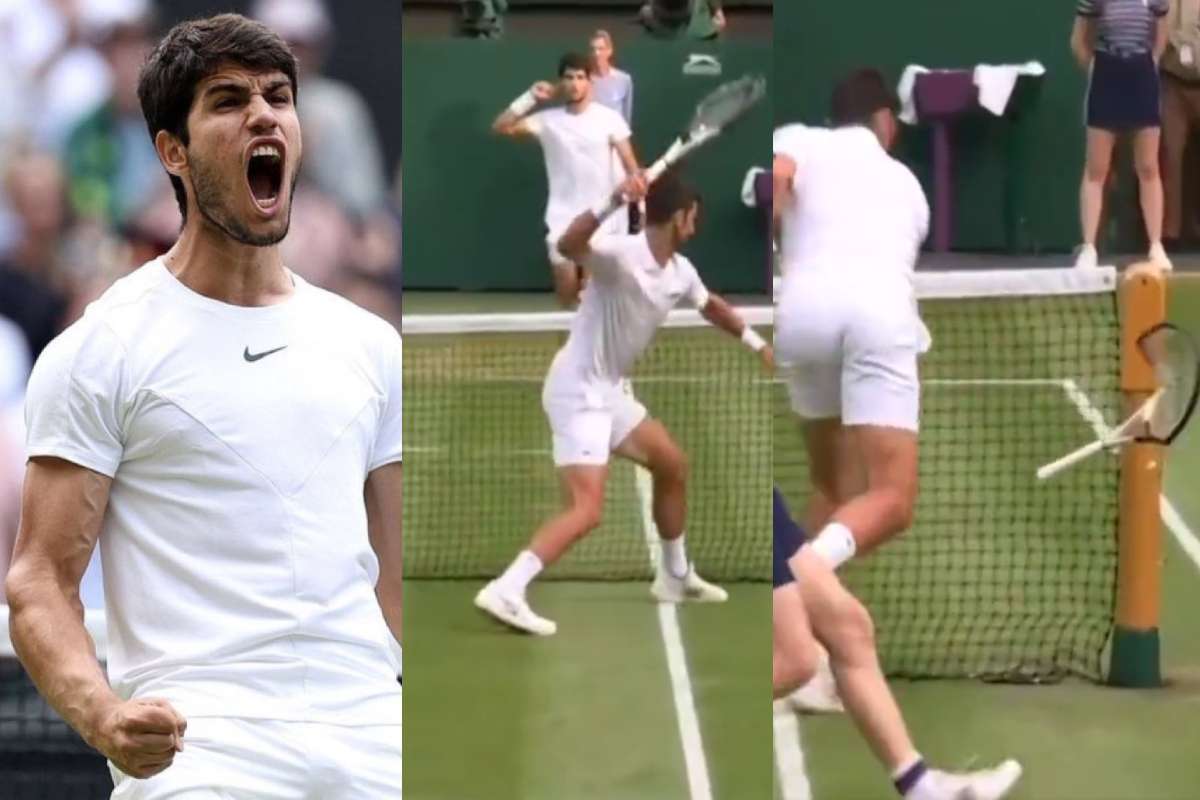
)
(752, 339)
(523, 104)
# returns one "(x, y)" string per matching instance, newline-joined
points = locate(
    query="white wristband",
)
(523, 104)
(752, 339)
(605, 208)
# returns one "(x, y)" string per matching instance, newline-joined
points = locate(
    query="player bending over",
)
(582, 142)
(636, 281)
(810, 604)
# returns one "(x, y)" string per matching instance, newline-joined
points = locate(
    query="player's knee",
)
(1147, 170)
(672, 467)
(588, 513)
(1095, 172)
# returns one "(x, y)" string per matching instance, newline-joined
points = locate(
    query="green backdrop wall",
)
(817, 42)
(473, 201)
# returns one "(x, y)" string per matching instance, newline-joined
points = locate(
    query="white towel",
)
(904, 90)
(749, 198)
(996, 83)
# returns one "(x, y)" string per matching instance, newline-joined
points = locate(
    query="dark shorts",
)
(788, 539)
(1124, 93)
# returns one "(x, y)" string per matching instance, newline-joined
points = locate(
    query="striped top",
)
(1125, 26)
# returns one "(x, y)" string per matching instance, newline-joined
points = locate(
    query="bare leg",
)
(886, 507)
(1150, 187)
(1095, 175)
(794, 651)
(844, 626)
(583, 485)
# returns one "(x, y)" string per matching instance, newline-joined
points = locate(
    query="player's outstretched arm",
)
(718, 312)
(61, 511)
(512, 120)
(382, 494)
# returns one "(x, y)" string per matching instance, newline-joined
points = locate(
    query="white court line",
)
(789, 754)
(1171, 517)
(694, 762)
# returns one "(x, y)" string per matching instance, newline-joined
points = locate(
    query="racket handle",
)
(657, 169)
(1071, 459)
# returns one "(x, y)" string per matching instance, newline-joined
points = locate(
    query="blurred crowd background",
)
(83, 199)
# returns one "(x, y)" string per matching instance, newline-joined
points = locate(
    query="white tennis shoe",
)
(819, 695)
(690, 588)
(984, 784)
(512, 609)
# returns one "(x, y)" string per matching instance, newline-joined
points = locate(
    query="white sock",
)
(835, 543)
(912, 780)
(524, 568)
(674, 557)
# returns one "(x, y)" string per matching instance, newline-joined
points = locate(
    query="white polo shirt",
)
(582, 165)
(239, 579)
(625, 302)
(857, 213)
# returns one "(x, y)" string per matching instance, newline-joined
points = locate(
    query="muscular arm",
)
(510, 124)
(719, 313)
(1083, 41)
(382, 494)
(573, 243)
(513, 121)
(628, 159)
(62, 508)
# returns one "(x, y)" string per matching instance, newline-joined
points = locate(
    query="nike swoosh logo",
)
(252, 357)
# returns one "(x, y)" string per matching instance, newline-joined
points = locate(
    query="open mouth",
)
(264, 174)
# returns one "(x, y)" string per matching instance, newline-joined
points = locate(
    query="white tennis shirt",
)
(857, 213)
(582, 165)
(623, 305)
(238, 576)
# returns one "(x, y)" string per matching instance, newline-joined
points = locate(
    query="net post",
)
(1135, 648)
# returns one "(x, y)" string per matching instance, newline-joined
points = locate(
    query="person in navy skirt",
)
(1120, 43)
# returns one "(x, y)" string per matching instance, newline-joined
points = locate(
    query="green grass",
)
(588, 713)
(479, 475)
(1077, 740)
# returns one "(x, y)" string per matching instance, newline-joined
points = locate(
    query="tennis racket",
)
(715, 113)
(1176, 360)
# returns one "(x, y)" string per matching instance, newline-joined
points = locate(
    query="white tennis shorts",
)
(588, 424)
(850, 355)
(254, 759)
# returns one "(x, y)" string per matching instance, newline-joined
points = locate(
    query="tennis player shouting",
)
(636, 281)
(851, 221)
(231, 436)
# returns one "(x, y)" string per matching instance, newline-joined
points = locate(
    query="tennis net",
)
(478, 473)
(41, 758)
(1002, 576)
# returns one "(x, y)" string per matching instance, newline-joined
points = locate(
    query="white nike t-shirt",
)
(238, 576)
(582, 165)
(623, 305)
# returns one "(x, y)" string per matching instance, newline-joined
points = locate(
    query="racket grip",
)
(1071, 459)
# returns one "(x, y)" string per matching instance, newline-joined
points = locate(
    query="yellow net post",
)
(1135, 648)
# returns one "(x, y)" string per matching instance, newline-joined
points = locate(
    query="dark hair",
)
(574, 61)
(189, 53)
(667, 195)
(859, 95)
